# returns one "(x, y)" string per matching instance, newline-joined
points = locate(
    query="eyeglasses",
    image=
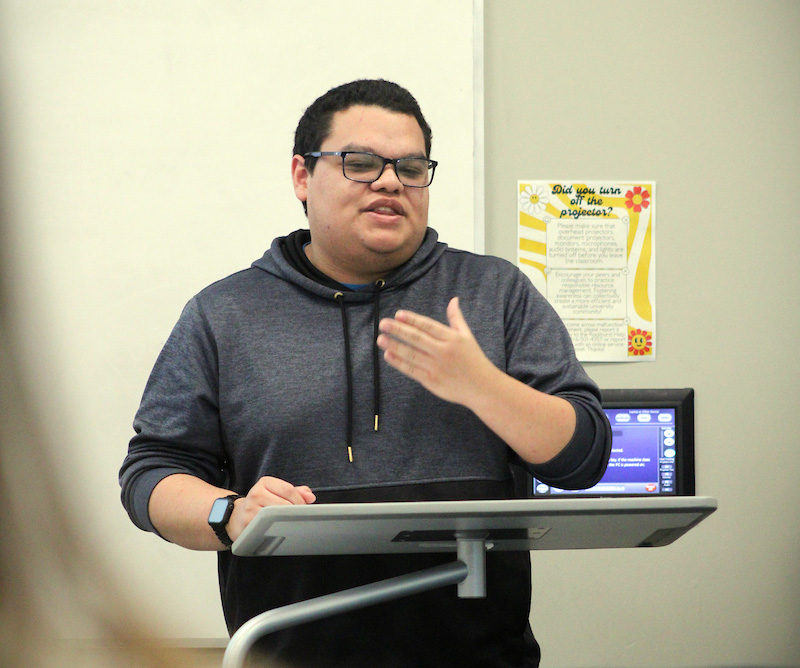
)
(368, 167)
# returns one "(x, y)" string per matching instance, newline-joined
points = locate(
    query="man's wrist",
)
(220, 515)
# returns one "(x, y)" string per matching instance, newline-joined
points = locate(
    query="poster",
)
(589, 247)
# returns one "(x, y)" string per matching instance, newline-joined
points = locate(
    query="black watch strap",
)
(220, 527)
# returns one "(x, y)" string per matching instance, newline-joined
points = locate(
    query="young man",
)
(362, 360)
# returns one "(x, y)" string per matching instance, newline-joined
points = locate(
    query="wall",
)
(702, 97)
(149, 146)
(144, 137)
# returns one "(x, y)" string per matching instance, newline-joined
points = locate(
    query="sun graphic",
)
(637, 199)
(533, 199)
(640, 342)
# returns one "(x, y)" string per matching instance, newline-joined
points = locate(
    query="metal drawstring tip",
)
(350, 453)
(376, 422)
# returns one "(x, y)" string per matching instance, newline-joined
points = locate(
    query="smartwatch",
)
(221, 511)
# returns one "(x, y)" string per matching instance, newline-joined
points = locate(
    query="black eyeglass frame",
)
(386, 161)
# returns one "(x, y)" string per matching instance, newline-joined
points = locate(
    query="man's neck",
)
(340, 274)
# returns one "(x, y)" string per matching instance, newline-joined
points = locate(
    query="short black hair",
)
(315, 124)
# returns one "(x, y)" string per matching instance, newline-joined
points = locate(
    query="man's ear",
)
(300, 176)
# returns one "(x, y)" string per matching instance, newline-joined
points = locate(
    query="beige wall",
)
(702, 97)
(148, 146)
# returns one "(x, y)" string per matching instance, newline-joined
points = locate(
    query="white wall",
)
(149, 146)
(702, 97)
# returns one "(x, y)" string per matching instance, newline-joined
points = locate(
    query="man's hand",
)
(267, 491)
(445, 360)
(180, 503)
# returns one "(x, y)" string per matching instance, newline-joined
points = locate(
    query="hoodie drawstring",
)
(376, 373)
(349, 371)
(376, 397)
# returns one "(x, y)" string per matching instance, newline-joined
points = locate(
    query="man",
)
(363, 360)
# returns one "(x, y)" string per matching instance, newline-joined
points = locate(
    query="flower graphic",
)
(533, 199)
(640, 342)
(637, 199)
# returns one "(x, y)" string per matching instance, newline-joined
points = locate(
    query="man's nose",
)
(388, 179)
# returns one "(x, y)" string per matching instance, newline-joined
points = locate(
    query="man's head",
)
(362, 228)
(315, 124)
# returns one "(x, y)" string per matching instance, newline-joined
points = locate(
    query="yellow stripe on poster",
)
(533, 246)
(565, 199)
(538, 265)
(526, 220)
(613, 202)
(641, 282)
(632, 227)
(552, 211)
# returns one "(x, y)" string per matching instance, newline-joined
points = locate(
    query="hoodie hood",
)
(286, 261)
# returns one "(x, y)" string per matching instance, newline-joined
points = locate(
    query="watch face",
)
(218, 511)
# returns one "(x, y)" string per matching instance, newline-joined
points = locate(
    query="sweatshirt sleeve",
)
(583, 461)
(177, 426)
(540, 353)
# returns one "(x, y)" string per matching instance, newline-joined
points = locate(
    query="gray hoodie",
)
(274, 371)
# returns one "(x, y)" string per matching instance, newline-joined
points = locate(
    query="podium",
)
(469, 529)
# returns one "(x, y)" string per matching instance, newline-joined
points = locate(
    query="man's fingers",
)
(455, 317)
(307, 494)
(274, 491)
(417, 325)
(415, 333)
(400, 331)
(403, 354)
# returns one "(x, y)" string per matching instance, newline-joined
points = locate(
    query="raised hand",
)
(445, 359)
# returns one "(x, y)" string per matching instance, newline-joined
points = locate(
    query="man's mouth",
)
(387, 208)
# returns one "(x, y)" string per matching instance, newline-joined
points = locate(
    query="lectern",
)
(467, 528)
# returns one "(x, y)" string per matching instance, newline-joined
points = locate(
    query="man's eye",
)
(413, 169)
(361, 163)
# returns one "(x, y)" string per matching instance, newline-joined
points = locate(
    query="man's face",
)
(361, 231)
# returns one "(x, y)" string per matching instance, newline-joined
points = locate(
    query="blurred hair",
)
(51, 580)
